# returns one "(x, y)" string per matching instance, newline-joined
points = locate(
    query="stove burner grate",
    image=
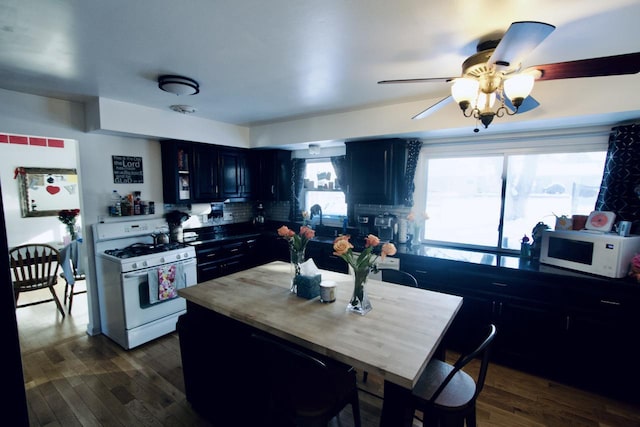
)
(141, 249)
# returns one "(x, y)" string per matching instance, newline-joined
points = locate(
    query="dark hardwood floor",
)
(73, 379)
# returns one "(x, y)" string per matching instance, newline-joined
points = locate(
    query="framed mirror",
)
(45, 191)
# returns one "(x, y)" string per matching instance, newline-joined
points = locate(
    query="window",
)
(321, 189)
(492, 201)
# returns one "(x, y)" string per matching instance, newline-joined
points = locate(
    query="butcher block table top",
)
(394, 340)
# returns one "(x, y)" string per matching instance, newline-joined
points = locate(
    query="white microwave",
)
(594, 252)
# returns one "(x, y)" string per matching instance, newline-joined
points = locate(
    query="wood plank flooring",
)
(73, 379)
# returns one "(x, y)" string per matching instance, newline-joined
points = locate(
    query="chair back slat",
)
(34, 266)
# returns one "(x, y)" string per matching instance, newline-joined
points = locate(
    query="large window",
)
(321, 188)
(494, 200)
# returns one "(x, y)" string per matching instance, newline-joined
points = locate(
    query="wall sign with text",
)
(127, 170)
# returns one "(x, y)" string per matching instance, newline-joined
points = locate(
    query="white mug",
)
(327, 291)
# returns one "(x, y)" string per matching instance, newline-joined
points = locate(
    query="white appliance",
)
(137, 280)
(604, 254)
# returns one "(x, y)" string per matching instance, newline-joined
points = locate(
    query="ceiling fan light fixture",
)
(178, 85)
(518, 87)
(465, 90)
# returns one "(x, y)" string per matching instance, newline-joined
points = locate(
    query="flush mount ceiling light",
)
(184, 109)
(178, 85)
(314, 149)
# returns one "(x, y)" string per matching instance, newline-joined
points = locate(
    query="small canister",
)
(327, 291)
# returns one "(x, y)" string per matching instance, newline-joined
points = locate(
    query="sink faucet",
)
(316, 210)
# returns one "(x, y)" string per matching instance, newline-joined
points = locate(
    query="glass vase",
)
(297, 258)
(71, 228)
(359, 302)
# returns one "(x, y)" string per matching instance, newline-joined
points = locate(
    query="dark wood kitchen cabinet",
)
(375, 171)
(235, 173)
(177, 171)
(273, 167)
(220, 173)
(571, 328)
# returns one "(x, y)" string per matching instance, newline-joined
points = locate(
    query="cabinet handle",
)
(422, 271)
(493, 307)
(500, 309)
(568, 323)
(234, 250)
(504, 285)
(604, 301)
(216, 188)
(273, 189)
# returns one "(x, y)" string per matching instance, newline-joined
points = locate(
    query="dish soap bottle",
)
(525, 247)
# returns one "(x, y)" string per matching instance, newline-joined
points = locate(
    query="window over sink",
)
(321, 188)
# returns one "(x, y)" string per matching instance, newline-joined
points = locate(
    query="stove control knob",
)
(134, 265)
(144, 263)
(162, 260)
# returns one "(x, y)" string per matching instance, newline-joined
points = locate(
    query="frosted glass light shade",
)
(465, 89)
(518, 86)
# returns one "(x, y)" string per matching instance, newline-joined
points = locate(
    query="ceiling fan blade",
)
(528, 104)
(425, 80)
(519, 40)
(435, 107)
(594, 67)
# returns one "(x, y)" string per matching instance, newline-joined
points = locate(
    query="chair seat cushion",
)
(458, 393)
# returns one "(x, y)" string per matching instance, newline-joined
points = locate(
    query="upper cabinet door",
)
(206, 186)
(177, 171)
(376, 171)
(273, 175)
(234, 167)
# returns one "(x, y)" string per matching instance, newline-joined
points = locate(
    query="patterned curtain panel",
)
(620, 188)
(298, 168)
(338, 163)
(413, 151)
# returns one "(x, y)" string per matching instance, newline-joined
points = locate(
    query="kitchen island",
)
(221, 369)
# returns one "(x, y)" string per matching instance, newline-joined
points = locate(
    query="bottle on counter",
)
(115, 207)
(525, 247)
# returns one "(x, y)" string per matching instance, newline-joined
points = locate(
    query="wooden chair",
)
(70, 257)
(446, 394)
(34, 267)
(398, 277)
(305, 390)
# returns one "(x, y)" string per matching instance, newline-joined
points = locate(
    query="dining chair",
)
(71, 272)
(398, 277)
(446, 394)
(305, 390)
(35, 266)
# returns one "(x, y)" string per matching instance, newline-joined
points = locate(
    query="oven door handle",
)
(146, 271)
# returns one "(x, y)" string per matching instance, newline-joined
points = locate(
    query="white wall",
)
(33, 115)
(46, 229)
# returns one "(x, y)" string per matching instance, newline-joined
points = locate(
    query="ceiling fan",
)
(494, 73)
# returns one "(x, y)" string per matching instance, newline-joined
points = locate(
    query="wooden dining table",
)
(395, 340)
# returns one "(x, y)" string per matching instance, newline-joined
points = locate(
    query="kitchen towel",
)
(165, 281)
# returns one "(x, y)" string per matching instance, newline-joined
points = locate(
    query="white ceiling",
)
(260, 61)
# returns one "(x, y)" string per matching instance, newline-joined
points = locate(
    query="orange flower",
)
(307, 232)
(299, 241)
(341, 245)
(388, 249)
(371, 240)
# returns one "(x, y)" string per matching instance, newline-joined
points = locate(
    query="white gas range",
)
(138, 281)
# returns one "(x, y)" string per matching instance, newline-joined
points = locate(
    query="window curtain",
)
(298, 167)
(338, 163)
(413, 152)
(620, 188)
